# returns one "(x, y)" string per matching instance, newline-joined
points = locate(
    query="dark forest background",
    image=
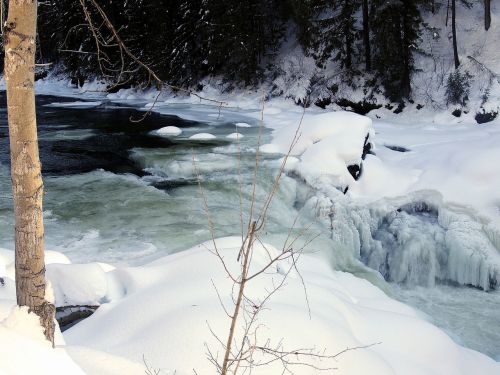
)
(239, 41)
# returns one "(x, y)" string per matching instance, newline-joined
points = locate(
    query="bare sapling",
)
(243, 348)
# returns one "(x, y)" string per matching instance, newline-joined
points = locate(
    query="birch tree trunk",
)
(27, 185)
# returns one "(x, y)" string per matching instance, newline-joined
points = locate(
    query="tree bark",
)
(366, 36)
(27, 185)
(347, 12)
(487, 14)
(454, 33)
(405, 50)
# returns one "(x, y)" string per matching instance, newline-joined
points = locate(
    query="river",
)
(118, 192)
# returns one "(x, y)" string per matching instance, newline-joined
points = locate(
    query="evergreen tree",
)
(396, 28)
(334, 31)
(366, 35)
(187, 48)
(241, 35)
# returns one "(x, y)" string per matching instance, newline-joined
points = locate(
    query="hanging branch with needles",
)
(116, 61)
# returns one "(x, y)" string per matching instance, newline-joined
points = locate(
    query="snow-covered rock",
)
(326, 145)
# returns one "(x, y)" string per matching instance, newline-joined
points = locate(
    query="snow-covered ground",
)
(425, 209)
(164, 312)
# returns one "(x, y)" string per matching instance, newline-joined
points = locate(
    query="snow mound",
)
(169, 322)
(202, 136)
(7, 265)
(235, 136)
(84, 284)
(25, 350)
(172, 131)
(327, 144)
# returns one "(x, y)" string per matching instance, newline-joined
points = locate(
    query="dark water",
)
(77, 140)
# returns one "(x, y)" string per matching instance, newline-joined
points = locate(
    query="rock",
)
(483, 117)
(68, 316)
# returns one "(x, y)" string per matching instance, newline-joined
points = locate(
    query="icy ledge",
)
(161, 311)
(415, 240)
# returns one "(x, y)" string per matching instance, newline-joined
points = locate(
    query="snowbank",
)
(458, 160)
(25, 350)
(326, 145)
(167, 320)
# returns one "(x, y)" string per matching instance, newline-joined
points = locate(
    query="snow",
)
(172, 131)
(25, 350)
(345, 312)
(202, 136)
(242, 125)
(235, 136)
(458, 160)
(344, 309)
(75, 105)
(78, 283)
(450, 166)
(327, 143)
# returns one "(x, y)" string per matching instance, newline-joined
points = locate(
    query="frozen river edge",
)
(376, 359)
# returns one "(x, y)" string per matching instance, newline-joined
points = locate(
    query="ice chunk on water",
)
(169, 131)
(235, 136)
(75, 105)
(242, 125)
(202, 136)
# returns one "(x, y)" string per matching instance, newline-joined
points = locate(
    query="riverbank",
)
(384, 213)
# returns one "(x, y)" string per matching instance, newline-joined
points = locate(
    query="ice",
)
(75, 105)
(242, 125)
(235, 136)
(456, 241)
(169, 131)
(417, 240)
(458, 160)
(203, 136)
(466, 314)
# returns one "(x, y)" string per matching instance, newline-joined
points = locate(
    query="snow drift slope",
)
(167, 306)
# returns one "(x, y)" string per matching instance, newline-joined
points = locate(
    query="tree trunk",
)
(27, 185)
(487, 14)
(348, 37)
(405, 51)
(454, 32)
(366, 36)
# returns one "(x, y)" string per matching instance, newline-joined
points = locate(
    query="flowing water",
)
(117, 192)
